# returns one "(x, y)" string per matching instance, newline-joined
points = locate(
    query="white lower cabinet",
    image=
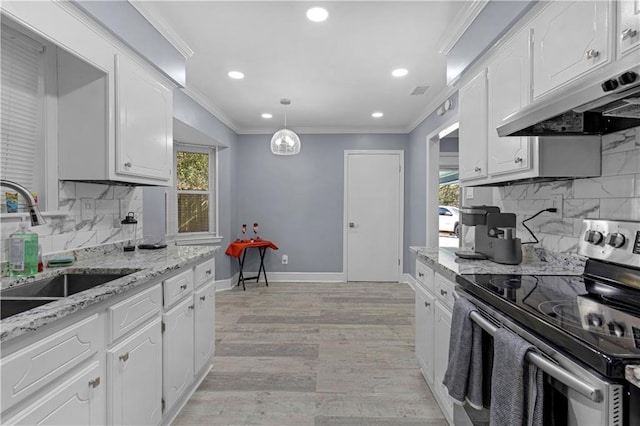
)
(442, 329)
(178, 351)
(80, 400)
(424, 320)
(204, 327)
(432, 327)
(135, 377)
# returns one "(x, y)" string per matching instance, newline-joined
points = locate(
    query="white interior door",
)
(373, 201)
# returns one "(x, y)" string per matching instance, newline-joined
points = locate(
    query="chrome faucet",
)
(34, 213)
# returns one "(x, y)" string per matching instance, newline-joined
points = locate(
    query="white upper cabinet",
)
(144, 126)
(628, 26)
(472, 136)
(509, 86)
(570, 39)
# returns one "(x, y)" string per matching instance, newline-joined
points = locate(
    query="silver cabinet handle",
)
(592, 53)
(127, 164)
(518, 160)
(477, 169)
(203, 298)
(420, 274)
(95, 382)
(352, 225)
(191, 307)
(443, 292)
(124, 358)
(628, 33)
(183, 286)
(427, 304)
(208, 272)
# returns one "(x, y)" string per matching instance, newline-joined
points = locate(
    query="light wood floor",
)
(314, 354)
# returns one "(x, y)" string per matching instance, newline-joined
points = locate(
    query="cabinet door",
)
(177, 360)
(424, 320)
(441, 357)
(629, 26)
(204, 327)
(144, 123)
(569, 40)
(509, 85)
(79, 400)
(135, 378)
(473, 128)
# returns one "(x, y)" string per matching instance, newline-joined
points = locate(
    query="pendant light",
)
(285, 141)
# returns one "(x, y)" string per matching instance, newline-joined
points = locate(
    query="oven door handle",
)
(550, 368)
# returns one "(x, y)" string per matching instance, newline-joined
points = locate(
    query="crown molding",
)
(444, 94)
(211, 108)
(463, 21)
(163, 28)
(325, 131)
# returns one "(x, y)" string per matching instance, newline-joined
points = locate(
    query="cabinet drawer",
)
(205, 272)
(444, 290)
(29, 369)
(132, 312)
(175, 288)
(424, 276)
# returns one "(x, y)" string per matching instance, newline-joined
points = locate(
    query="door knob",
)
(352, 225)
(592, 53)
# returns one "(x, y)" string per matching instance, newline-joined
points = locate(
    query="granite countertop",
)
(144, 265)
(535, 262)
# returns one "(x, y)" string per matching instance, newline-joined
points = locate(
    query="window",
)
(194, 200)
(29, 95)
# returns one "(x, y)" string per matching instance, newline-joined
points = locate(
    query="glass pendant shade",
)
(285, 142)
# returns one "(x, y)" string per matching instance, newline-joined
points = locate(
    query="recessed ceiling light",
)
(236, 75)
(377, 114)
(267, 115)
(317, 14)
(400, 72)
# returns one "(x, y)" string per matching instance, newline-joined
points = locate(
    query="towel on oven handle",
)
(463, 378)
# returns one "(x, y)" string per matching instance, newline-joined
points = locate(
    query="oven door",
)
(563, 405)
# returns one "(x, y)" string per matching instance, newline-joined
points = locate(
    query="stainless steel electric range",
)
(587, 326)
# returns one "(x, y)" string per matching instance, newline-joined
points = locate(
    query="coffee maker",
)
(494, 235)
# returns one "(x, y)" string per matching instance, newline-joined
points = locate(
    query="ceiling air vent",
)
(419, 90)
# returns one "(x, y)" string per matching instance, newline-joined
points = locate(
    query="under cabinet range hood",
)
(604, 106)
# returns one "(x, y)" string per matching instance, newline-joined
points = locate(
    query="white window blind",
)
(20, 111)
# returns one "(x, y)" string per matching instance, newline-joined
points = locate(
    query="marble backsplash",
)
(613, 195)
(66, 229)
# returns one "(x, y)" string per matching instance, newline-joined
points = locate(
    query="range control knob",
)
(610, 85)
(616, 240)
(616, 329)
(595, 320)
(627, 78)
(593, 237)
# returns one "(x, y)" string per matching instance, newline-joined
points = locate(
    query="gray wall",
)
(298, 200)
(415, 189)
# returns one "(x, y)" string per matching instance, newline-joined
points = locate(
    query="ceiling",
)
(336, 73)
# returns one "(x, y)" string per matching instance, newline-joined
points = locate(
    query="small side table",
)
(238, 249)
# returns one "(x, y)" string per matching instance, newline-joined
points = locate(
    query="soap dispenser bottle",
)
(23, 252)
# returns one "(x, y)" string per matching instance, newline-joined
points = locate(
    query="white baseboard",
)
(227, 284)
(285, 277)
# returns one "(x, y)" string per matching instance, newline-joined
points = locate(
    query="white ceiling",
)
(336, 73)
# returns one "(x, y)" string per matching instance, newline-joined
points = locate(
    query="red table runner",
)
(235, 248)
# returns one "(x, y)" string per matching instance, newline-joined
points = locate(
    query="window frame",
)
(187, 238)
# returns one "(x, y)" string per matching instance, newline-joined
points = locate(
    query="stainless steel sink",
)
(24, 297)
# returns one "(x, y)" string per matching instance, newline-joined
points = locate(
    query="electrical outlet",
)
(556, 202)
(285, 259)
(469, 192)
(87, 208)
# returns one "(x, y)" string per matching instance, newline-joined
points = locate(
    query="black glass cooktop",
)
(596, 322)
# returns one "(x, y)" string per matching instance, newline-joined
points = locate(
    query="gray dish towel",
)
(516, 385)
(463, 378)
